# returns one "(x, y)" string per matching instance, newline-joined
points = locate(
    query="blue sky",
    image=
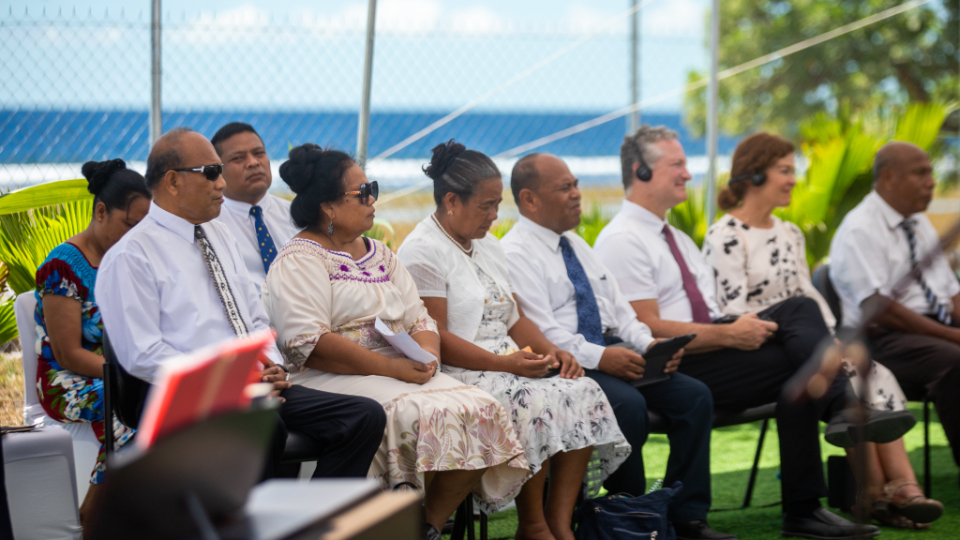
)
(431, 54)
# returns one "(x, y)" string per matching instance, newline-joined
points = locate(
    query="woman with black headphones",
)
(759, 261)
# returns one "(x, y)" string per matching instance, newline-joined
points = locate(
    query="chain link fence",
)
(76, 86)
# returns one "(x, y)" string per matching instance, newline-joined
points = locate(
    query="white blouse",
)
(442, 270)
(757, 268)
(311, 291)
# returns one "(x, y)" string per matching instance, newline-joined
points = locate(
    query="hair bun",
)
(298, 171)
(98, 173)
(443, 157)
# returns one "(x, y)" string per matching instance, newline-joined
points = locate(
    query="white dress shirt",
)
(635, 250)
(548, 298)
(276, 214)
(870, 254)
(157, 298)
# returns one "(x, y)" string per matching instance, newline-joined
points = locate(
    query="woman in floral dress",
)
(324, 292)
(69, 330)
(461, 273)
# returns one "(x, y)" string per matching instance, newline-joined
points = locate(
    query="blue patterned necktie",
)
(268, 251)
(941, 311)
(588, 314)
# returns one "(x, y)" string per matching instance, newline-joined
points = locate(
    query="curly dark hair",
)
(316, 176)
(113, 184)
(753, 155)
(455, 169)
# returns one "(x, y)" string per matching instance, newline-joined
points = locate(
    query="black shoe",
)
(431, 533)
(879, 427)
(698, 530)
(825, 525)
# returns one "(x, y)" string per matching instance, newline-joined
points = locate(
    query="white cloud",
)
(477, 20)
(583, 18)
(407, 16)
(676, 17)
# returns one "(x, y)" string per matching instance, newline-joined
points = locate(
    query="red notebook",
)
(206, 382)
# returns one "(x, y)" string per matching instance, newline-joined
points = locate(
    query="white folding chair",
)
(85, 443)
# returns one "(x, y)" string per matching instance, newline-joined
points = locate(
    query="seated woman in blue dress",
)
(69, 330)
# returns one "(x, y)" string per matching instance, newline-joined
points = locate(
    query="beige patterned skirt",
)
(443, 425)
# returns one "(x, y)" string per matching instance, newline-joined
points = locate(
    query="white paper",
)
(404, 343)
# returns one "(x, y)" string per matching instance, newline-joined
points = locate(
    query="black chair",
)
(821, 281)
(125, 395)
(659, 424)
(463, 522)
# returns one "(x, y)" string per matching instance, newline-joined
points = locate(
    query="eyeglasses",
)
(366, 191)
(211, 172)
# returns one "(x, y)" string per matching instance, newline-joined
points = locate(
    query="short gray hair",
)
(643, 142)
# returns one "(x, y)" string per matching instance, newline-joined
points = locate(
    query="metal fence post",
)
(156, 113)
(363, 129)
(712, 113)
(633, 121)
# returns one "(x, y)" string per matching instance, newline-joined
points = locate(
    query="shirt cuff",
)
(589, 355)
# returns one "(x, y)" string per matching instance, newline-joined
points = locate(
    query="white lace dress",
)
(549, 415)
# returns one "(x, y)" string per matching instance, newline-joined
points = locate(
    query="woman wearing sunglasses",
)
(461, 273)
(324, 292)
(760, 261)
(69, 328)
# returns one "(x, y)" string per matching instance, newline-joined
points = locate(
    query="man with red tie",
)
(744, 363)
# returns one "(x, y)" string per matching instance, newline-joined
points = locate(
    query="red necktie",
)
(701, 314)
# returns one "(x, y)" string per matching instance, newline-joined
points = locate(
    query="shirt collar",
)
(172, 222)
(243, 208)
(645, 217)
(548, 237)
(891, 217)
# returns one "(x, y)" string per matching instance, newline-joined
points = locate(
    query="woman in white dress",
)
(461, 273)
(760, 261)
(324, 292)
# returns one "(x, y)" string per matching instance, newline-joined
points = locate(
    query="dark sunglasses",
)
(366, 191)
(211, 172)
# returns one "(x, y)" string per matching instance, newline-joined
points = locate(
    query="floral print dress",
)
(64, 395)
(550, 415)
(441, 425)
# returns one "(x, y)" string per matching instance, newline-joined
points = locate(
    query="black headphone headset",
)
(644, 173)
(758, 179)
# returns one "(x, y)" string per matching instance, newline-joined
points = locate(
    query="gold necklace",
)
(467, 252)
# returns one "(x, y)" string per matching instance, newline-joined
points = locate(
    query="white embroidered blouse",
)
(311, 291)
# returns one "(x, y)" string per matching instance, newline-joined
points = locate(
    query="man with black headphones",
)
(745, 362)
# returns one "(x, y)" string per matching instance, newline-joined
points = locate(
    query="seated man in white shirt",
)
(258, 220)
(569, 294)
(177, 283)
(878, 244)
(746, 363)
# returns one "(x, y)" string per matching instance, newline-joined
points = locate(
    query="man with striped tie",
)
(258, 220)
(883, 240)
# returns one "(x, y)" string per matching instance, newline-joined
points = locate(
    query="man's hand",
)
(749, 332)
(276, 376)
(674, 362)
(622, 363)
(569, 367)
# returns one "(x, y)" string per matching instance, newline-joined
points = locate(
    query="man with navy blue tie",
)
(574, 300)
(258, 220)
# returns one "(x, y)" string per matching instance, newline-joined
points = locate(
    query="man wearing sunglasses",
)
(258, 220)
(177, 282)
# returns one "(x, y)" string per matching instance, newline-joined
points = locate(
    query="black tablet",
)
(657, 357)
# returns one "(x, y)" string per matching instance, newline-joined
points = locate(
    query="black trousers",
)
(687, 404)
(744, 379)
(349, 428)
(924, 365)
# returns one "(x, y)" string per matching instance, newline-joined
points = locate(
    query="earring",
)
(330, 229)
(449, 212)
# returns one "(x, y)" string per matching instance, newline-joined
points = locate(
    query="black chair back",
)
(821, 281)
(123, 393)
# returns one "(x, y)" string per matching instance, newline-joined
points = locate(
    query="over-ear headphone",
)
(757, 179)
(644, 173)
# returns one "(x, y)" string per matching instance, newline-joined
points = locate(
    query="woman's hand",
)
(412, 371)
(569, 367)
(528, 364)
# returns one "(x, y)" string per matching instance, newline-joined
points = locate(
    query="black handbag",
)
(622, 517)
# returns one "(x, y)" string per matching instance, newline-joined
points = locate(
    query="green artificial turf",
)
(732, 452)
